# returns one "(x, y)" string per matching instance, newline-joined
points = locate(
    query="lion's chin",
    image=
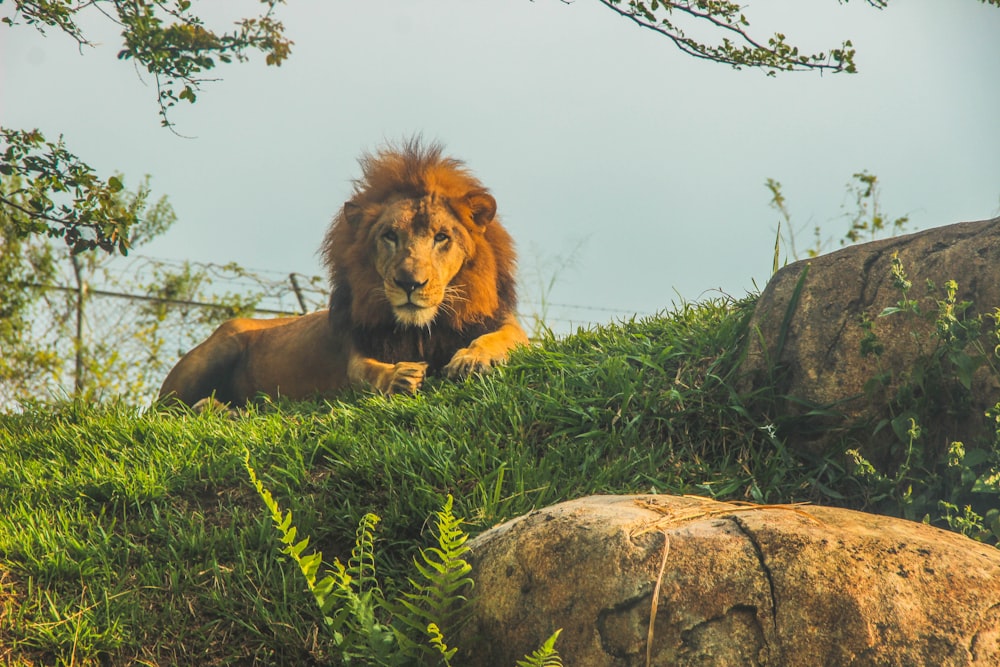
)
(412, 315)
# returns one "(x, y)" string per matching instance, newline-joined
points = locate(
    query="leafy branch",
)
(737, 47)
(166, 38)
(65, 198)
(177, 49)
(62, 196)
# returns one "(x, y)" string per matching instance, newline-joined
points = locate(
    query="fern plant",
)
(546, 656)
(353, 605)
(348, 597)
(437, 599)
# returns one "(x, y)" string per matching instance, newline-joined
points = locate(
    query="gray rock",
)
(728, 585)
(805, 333)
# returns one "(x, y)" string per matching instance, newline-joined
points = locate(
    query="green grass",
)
(132, 538)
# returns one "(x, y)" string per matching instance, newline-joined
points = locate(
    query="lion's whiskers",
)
(381, 293)
(447, 309)
(453, 295)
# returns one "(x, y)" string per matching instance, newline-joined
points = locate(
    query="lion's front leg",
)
(486, 351)
(404, 377)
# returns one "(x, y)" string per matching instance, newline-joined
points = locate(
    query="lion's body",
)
(246, 357)
(423, 282)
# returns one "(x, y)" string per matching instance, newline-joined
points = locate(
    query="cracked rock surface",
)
(806, 332)
(730, 584)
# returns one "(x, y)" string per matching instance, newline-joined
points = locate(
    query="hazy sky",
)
(631, 174)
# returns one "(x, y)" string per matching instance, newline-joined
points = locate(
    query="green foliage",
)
(42, 321)
(351, 600)
(546, 656)
(435, 600)
(174, 45)
(868, 221)
(865, 217)
(348, 597)
(167, 38)
(436, 640)
(25, 364)
(105, 326)
(737, 47)
(959, 485)
(62, 196)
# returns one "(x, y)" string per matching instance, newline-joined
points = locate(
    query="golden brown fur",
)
(423, 282)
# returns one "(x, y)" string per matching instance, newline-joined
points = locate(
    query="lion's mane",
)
(481, 295)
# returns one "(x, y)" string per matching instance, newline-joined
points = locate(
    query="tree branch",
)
(776, 55)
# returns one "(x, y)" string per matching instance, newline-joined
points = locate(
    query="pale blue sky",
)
(600, 140)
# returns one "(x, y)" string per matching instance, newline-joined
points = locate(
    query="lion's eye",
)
(390, 236)
(441, 237)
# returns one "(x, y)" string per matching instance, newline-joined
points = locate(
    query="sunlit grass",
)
(137, 538)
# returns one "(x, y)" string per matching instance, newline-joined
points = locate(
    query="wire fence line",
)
(159, 300)
(115, 330)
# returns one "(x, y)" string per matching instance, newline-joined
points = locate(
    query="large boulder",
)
(730, 584)
(805, 336)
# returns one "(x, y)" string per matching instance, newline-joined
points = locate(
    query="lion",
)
(422, 276)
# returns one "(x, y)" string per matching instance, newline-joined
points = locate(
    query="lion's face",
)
(419, 247)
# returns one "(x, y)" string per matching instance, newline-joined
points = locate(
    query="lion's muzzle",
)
(412, 304)
(408, 284)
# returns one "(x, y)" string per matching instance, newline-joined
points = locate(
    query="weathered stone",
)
(812, 348)
(738, 585)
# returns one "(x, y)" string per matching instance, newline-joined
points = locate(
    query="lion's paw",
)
(406, 378)
(211, 405)
(466, 362)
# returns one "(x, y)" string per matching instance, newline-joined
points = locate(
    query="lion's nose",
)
(409, 285)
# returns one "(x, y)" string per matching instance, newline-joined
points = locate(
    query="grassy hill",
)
(137, 538)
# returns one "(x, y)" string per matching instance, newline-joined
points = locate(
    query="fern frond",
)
(437, 641)
(308, 564)
(348, 611)
(435, 597)
(444, 572)
(546, 656)
(350, 598)
(361, 564)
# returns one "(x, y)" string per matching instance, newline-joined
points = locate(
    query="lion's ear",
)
(353, 213)
(483, 207)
